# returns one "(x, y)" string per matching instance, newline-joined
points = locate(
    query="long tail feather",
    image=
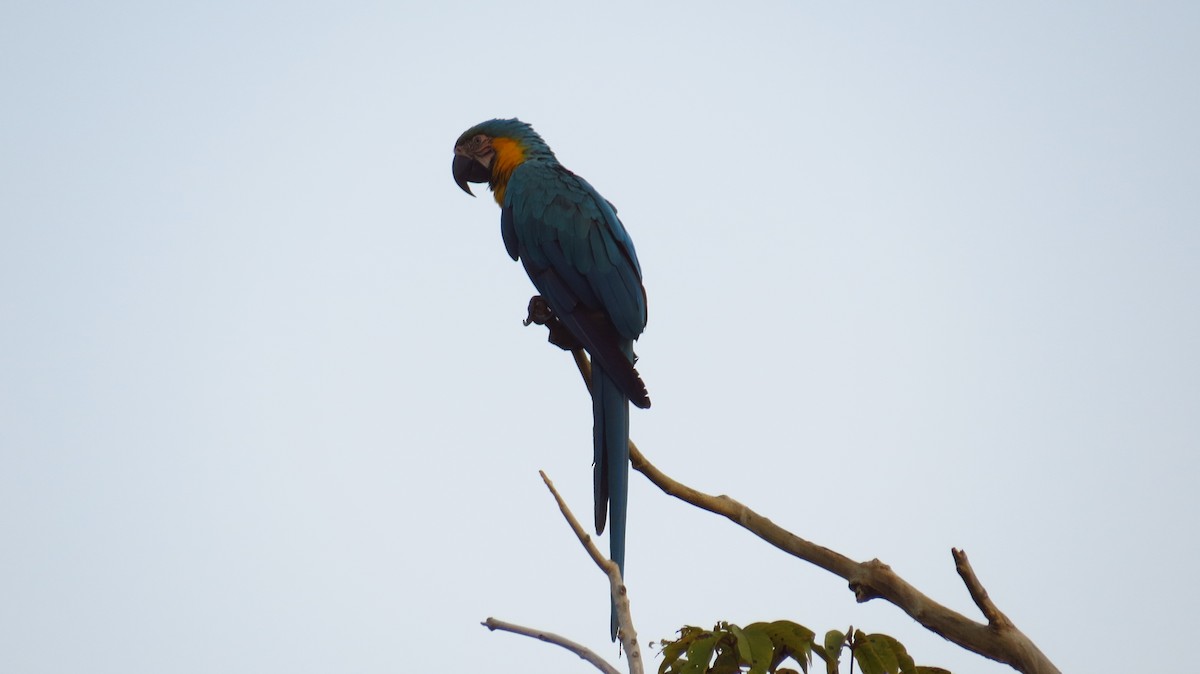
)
(610, 411)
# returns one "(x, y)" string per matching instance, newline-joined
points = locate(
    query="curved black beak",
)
(467, 170)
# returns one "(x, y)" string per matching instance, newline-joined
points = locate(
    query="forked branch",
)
(620, 598)
(998, 639)
(620, 595)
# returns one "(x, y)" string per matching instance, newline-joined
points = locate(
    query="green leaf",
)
(903, 659)
(726, 648)
(880, 654)
(820, 651)
(868, 660)
(834, 640)
(789, 640)
(833, 650)
(743, 644)
(932, 670)
(699, 654)
(761, 648)
(673, 649)
(727, 661)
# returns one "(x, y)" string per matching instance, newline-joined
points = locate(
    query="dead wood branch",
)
(998, 639)
(620, 596)
(551, 638)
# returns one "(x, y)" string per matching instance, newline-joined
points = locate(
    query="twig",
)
(551, 638)
(998, 640)
(994, 616)
(620, 596)
(580, 533)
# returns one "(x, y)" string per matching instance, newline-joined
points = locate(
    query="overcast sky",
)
(920, 275)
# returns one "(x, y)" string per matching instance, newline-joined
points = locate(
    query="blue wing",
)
(582, 261)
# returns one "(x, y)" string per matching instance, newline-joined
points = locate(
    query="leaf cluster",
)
(760, 648)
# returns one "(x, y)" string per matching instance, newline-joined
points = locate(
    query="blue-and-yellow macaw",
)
(582, 261)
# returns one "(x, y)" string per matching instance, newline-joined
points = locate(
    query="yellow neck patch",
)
(509, 155)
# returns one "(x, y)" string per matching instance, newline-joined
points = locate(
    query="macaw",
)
(582, 261)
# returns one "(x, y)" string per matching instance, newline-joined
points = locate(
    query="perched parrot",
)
(582, 261)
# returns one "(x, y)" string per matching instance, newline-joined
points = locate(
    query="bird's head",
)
(488, 153)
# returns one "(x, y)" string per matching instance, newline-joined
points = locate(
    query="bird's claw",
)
(541, 313)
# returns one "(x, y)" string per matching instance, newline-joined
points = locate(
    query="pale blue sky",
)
(920, 276)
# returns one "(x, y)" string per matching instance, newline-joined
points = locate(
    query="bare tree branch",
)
(551, 638)
(580, 533)
(979, 595)
(620, 596)
(998, 640)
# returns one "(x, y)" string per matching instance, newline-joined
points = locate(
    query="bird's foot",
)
(541, 313)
